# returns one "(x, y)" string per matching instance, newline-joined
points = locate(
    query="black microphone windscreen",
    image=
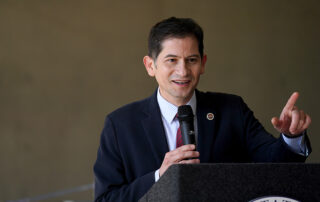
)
(185, 112)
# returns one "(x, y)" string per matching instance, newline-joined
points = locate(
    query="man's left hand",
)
(292, 121)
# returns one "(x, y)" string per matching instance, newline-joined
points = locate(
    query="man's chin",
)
(184, 96)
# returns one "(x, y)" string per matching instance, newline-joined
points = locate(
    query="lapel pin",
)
(210, 116)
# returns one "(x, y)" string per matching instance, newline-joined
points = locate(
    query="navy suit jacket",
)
(133, 143)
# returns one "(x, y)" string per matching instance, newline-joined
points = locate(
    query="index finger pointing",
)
(292, 101)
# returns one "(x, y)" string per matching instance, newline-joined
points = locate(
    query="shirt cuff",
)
(156, 175)
(297, 144)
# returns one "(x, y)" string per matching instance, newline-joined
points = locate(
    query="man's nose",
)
(182, 69)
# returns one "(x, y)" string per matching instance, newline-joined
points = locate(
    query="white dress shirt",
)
(169, 120)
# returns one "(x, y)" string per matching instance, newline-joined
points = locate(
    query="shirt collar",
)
(169, 110)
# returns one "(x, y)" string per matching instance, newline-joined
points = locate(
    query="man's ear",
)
(203, 63)
(149, 65)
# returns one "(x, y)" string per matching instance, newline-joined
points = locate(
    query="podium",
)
(237, 182)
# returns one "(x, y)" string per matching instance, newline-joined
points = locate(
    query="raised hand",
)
(292, 121)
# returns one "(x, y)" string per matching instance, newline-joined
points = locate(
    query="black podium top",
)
(237, 182)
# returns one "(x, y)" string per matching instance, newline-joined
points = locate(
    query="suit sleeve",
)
(262, 146)
(111, 182)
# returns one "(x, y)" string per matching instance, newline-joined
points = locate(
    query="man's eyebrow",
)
(171, 55)
(194, 55)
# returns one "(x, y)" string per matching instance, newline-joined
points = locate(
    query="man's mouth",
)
(181, 82)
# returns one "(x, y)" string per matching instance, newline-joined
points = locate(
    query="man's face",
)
(177, 69)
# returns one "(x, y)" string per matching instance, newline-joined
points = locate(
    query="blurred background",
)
(66, 64)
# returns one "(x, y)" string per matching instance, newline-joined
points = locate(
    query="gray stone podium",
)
(236, 182)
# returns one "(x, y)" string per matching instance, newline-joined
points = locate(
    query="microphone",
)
(185, 117)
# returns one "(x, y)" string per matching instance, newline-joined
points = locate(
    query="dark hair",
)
(173, 28)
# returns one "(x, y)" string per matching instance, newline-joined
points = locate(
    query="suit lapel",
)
(154, 130)
(205, 127)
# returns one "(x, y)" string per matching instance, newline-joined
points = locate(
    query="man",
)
(138, 142)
